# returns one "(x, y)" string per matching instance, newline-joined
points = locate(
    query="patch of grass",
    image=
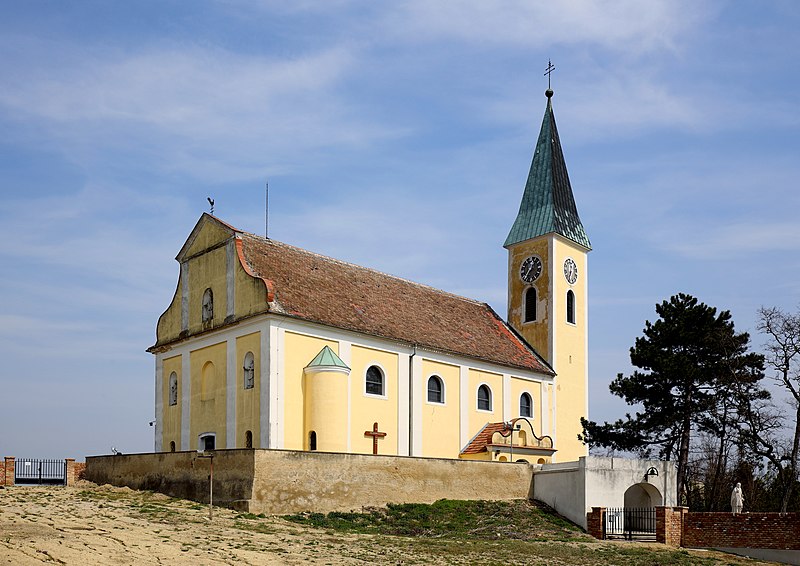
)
(448, 518)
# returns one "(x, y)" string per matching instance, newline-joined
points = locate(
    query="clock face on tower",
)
(570, 271)
(531, 269)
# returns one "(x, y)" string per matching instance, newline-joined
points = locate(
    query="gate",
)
(42, 472)
(630, 523)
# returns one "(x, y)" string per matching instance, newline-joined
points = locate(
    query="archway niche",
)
(643, 495)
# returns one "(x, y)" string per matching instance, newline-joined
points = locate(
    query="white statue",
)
(737, 499)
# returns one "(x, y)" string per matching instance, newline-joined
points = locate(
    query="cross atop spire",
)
(548, 71)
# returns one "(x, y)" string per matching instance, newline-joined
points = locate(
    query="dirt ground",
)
(89, 524)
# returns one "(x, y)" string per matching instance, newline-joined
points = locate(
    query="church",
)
(266, 345)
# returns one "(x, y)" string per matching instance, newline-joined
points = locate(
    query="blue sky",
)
(394, 135)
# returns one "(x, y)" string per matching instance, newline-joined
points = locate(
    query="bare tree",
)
(783, 357)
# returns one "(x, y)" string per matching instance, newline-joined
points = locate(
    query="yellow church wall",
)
(248, 407)
(171, 414)
(326, 410)
(250, 296)
(570, 363)
(208, 397)
(298, 351)
(368, 409)
(520, 386)
(169, 324)
(209, 235)
(440, 422)
(536, 333)
(207, 271)
(477, 419)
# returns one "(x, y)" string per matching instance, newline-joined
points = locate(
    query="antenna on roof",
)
(266, 210)
(211, 202)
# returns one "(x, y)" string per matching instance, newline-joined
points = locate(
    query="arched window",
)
(208, 305)
(172, 446)
(525, 405)
(207, 382)
(374, 382)
(248, 439)
(312, 440)
(530, 305)
(173, 388)
(484, 398)
(570, 307)
(249, 370)
(435, 389)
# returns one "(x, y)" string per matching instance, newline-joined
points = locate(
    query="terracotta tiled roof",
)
(313, 287)
(481, 440)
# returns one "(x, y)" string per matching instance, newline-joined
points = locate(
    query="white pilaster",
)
(416, 412)
(463, 405)
(157, 436)
(184, 296)
(186, 402)
(230, 394)
(506, 397)
(276, 336)
(230, 277)
(403, 404)
(345, 354)
(264, 388)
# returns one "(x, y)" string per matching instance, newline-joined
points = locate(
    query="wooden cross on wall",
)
(375, 436)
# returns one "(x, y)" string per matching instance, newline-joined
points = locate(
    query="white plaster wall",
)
(573, 488)
(562, 487)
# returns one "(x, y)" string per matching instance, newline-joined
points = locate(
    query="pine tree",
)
(688, 360)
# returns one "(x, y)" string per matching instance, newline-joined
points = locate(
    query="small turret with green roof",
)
(327, 360)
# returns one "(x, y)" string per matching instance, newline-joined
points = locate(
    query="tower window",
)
(374, 381)
(530, 305)
(249, 370)
(312, 440)
(173, 388)
(435, 389)
(248, 439)
(525, 405)
(484, 398)
(570, 307)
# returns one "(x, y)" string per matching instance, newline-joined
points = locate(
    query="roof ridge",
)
(373, 270)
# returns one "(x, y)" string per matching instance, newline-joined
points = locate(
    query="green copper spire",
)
(547, 204)
(327, 358)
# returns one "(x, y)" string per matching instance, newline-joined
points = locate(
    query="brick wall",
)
(594, 522)
(669, 525)
(746, 530)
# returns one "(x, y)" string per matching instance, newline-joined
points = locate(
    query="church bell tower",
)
(547, 283)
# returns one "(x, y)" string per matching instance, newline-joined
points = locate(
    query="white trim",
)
(384, 382)
(159, 407)
(403, 404)
(186, 400)
(203, 435)
(554, 319)
(264, 385)
(317, 330)
(346, 355)
(230, 394)
(280, 376)
(416, 411)
(491, 398)
(317, 369)
(586, 338)
(444, 390)
(231, 260)
(506, 397)
(463, 405)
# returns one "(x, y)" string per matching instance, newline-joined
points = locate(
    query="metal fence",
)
(50, 472)
(630, 523)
